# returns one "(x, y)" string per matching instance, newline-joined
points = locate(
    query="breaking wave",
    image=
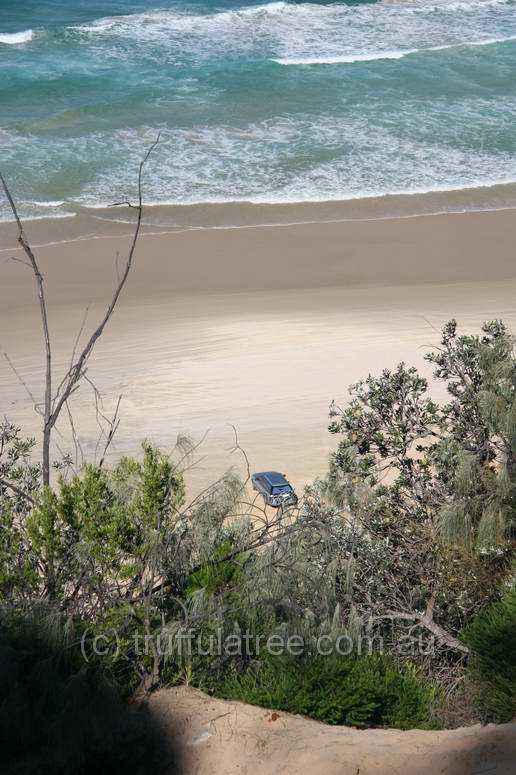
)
(79, 112)
(374, 57)
(16, 38)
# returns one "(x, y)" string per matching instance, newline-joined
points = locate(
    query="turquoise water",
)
(285, 101)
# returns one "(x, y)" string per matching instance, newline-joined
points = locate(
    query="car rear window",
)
(279, 490)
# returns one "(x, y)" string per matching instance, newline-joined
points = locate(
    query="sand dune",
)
(231, 737)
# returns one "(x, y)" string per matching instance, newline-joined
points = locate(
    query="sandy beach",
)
(259, 327)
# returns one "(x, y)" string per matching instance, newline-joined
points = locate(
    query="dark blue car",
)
(275, 488)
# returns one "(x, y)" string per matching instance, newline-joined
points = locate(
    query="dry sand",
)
(259, 327)
(232, 738)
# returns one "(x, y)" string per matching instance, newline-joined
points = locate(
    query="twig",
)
(237, 448)
(24, 384)
(53, 405)
(114, 423)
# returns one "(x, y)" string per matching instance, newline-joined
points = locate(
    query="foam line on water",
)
(16, 38)
(378, 56)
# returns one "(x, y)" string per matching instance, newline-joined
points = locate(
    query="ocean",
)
(281, 102)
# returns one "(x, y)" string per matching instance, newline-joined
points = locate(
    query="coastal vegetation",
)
(386, 597)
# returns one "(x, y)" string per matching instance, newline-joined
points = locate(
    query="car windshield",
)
(279, 490)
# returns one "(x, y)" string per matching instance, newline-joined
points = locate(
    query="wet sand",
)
(258, 327)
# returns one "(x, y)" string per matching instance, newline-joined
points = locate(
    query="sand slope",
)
(221, 737)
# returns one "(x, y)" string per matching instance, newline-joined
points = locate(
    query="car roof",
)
(273, 477)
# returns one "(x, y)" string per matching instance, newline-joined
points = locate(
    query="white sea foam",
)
(345, 58)
(258, 10)
(6, 217)
(353, 156)
(268, 199)
(16, 38)
(57, 203)
(258, 163)
(373, 57)
(422, 6)
(306, 33)
(283, 12)
(466, 43)
(310, 198)
(286, 11)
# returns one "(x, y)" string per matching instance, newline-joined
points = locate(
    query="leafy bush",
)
(216, 575)
(59, 716)
(358, 691)
(434, 487)
(492, 640)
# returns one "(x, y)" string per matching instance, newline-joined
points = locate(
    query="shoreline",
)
(248, 214)
(258, 328)
(387, 252)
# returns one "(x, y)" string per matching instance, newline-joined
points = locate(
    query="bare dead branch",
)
(124, 203)
(23, 241)
(99, 402)
(53, 405)
(114, 423)
(75, 437)
(19, 261)
(24, 384)
(75, 372)
(237, 448)
(426, 620)
(79, 334)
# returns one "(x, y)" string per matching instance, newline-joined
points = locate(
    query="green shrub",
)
(492, 667)
(358, 691)
(214, 576)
